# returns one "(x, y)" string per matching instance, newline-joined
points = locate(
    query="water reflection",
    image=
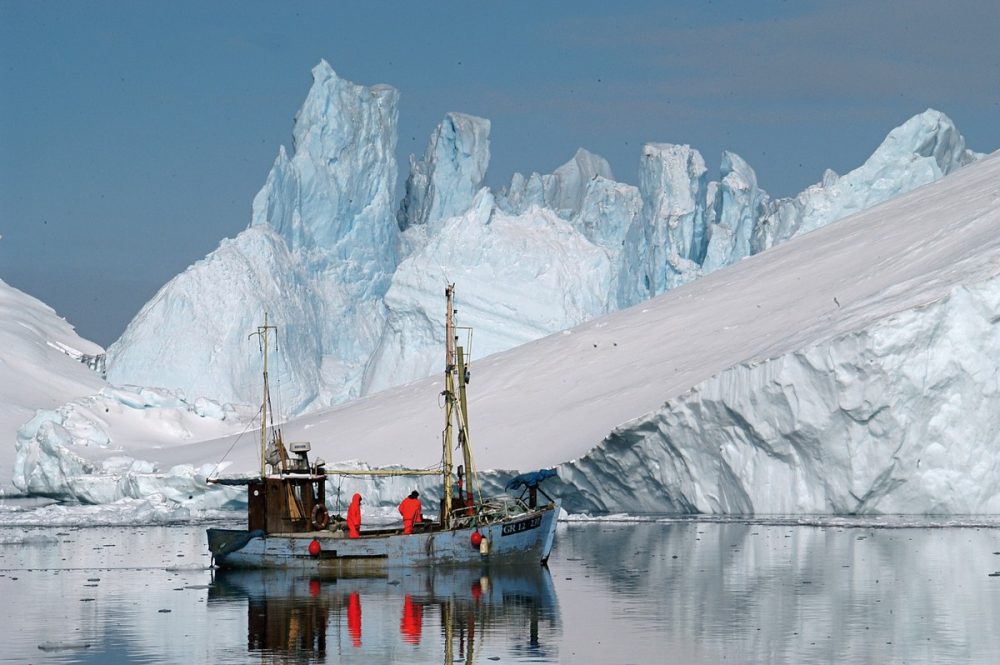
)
(708, 593)
(695, 592)
(427, 616)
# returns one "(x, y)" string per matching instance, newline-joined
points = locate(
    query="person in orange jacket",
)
(410, 510)
(354, 517)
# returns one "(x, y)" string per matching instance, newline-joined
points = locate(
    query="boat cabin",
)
(291, 501)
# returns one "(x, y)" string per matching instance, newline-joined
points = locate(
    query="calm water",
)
(684, 592)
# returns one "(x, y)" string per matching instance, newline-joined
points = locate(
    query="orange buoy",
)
(476, 538)
(314, 548)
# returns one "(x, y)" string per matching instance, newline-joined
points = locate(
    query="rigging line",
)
(277, 380)
(474, 473)
(226, 454)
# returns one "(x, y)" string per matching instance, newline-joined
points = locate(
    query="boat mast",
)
(262, 333)
(462, 372)
(449, 401)
(456, 408)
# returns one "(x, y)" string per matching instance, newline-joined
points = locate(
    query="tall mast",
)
(262, 332)
(462, 372)
(449, 402)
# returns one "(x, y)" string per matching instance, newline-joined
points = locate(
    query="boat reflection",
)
(417, 616)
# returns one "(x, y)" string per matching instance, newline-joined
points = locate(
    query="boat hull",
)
(525, 539)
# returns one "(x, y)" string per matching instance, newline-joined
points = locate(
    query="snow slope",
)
(43, 365)
(851, 369)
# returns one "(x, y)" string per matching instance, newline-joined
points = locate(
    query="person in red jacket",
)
(354, 517)
(410, 510)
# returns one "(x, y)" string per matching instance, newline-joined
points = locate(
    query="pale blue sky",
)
(134, 134)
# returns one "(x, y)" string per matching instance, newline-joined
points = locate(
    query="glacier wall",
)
(898, 418)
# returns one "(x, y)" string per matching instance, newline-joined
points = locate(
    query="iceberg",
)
(444, 183)
(318, 256)
(666, 242)
(833, 373)
(735, 204)
(97, 450)
(849, 370)
(925, 148)
(558, 279)
(350, 276)
(562, 191)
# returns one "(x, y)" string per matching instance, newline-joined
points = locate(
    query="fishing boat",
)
(288, 524)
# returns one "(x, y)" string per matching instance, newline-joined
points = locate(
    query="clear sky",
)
(134, 135)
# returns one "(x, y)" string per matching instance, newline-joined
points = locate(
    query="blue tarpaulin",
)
(530, 479)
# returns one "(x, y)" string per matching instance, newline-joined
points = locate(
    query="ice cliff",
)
(896, 419)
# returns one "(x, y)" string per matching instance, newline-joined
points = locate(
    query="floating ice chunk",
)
(127, 511)
(64, 645)
(27, 539)
(69, 452)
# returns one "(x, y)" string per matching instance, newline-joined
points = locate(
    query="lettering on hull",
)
(523, 525)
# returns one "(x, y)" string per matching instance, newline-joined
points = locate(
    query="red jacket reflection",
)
(354, 617)
(412, 622)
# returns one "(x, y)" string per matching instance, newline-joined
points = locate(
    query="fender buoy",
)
(475, 539)
(314, 548)
(320, 518)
